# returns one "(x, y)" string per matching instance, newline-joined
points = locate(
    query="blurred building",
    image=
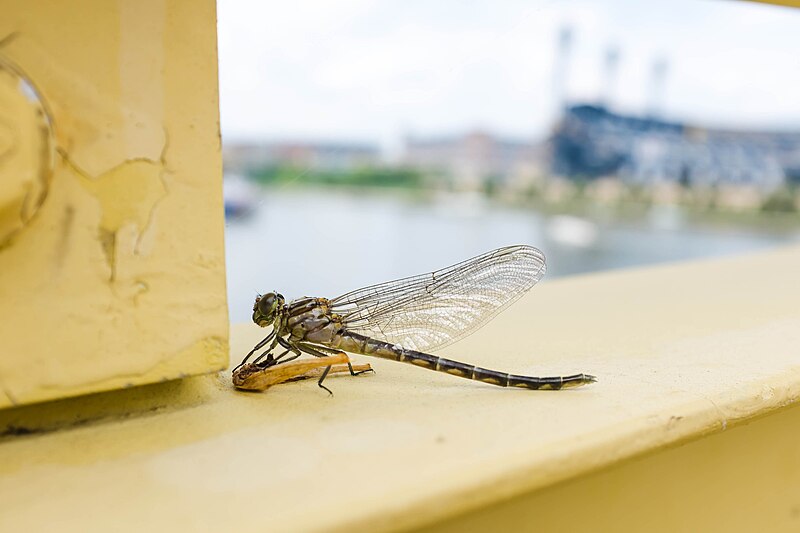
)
(244, 157)
(591, 142)
(471, 160)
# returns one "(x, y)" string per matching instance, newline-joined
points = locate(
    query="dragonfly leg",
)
(292, 358)
(268, 352)
(273, 361)
(270, 360)
(354, 373)
(288, 345)
(265, 340)
(322, 378)
(318, 353)
(324, 351)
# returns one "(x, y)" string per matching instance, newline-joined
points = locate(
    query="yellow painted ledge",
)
(682, 351)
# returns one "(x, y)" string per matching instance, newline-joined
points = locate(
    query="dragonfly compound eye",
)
(267, 305)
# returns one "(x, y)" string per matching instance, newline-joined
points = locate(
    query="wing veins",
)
(435, 309)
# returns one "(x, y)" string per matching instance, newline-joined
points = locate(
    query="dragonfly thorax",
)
(266, 307)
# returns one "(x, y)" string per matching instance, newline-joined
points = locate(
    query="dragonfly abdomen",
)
(494, 377)
(353, 342)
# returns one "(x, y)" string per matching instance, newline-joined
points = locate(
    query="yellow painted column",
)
(111, 219)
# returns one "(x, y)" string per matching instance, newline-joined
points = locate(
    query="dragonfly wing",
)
(433, 310)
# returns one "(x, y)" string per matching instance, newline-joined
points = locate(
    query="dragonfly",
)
(405, 319)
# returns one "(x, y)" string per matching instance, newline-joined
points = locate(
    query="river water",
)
(325, 242)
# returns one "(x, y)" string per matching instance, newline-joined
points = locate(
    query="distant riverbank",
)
(324, 241)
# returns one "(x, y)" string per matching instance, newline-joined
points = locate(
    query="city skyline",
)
(364, 70)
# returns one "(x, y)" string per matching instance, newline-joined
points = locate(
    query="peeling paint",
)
(128, 194)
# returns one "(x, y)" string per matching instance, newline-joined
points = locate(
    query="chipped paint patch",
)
(128, 195)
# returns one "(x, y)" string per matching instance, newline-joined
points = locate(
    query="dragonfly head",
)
(266, 308)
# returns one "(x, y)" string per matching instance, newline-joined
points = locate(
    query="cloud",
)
(364, 68)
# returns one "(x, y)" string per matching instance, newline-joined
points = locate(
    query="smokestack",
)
(561, 70)
(658, 79)
(610, 64)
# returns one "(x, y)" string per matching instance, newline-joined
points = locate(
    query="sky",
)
(375, 71)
